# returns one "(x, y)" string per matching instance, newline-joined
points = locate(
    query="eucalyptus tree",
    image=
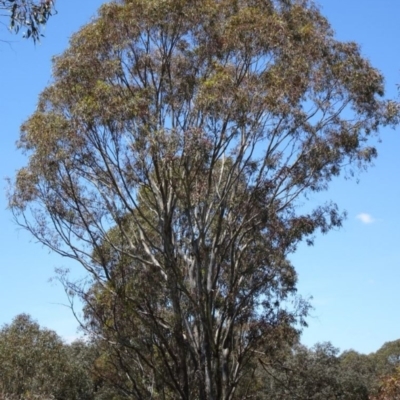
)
(170, 157)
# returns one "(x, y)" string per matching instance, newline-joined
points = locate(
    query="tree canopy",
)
(35, 363)
(170, 157)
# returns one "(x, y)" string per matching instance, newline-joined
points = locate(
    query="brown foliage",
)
(389, 388)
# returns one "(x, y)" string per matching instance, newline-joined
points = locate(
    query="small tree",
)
(170, 157)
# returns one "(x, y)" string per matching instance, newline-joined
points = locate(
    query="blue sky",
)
(353, 274)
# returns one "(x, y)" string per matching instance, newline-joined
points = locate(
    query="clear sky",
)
(353, 274)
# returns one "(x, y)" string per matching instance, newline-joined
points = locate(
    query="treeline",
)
(35, 363)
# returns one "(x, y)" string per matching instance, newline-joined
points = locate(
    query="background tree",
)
(170, 157)
(360, 368)
(35, 363)
(316, 373)
(389, 387)
(387, 358)
(29, 14)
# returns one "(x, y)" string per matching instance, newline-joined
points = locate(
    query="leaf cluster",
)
(30, 14)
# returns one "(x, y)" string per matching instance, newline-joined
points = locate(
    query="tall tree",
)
(29, 14)
(171, 156)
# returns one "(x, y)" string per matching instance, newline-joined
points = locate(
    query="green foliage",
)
(28, 355)
(317, 373)
(387, 358)
(35, 363)
(360, 368)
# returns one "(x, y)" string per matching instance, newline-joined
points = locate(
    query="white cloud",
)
(365, 218)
